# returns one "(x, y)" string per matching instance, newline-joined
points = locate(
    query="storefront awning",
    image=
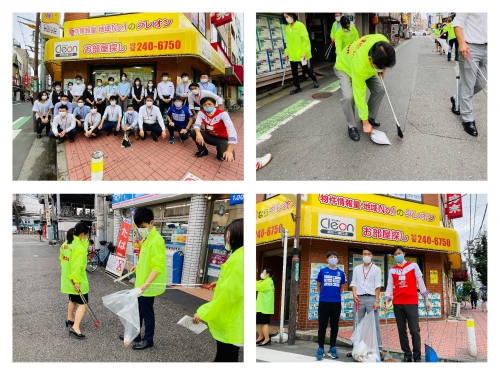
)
(354, 224)
(233, 76)
(140, 35)
(455, 260)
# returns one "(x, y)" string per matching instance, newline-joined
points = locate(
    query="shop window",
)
(381, 259)
(145, 73)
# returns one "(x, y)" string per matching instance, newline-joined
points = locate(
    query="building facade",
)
(345, 223)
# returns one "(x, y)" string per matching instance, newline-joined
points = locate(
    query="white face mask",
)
(111, 83)
(185, 79)
(289, 19)
(44, 97)
(165, 79)
(137, 83)
(178, 104)
(332, 261)
(65, 102)
(143, 232)
(113, 102)
(93, 110)
(80, 105)
(367, 259)
(78, 81)
(62, 114)
(195, 92)
(58, 88)
(130, 112)
(149, 104)
(262, 275)
(150, 85)
(89, 87)
(227, 247)
(204, 80)
(99, 83)
(124, 79)
(337, 19)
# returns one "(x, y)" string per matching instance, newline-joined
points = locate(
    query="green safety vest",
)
(224, 314)
(342, 39)
(265, 296)
(297, 42)
(73, 259)
(353, 60)
(451, 31)
(152, 256)
(334, 30)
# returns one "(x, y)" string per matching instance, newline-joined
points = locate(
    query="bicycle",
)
(95, 259)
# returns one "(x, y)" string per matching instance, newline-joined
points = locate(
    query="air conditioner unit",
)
(455, 309)
(229, 71)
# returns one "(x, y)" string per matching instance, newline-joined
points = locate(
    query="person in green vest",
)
(298, 50)
(73, 260)
(452, 39)
(335, 26)
(436, 34)
(150, 274)
(360, 65)
(346, 34)
(265, 305)
(224, 314)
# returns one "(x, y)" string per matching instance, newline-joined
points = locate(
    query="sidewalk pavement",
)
(448, 338)
(148, 160)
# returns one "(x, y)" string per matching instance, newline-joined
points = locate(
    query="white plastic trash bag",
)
(364, 340)
(444, 44)
(124, 304)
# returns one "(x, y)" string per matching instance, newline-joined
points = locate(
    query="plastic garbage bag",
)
(364, 340)
(125, 304)
(444, 44)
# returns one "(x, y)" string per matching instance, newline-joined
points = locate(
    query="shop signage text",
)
(235, 199)
(336, 226)
(121, 248)
(63, 50)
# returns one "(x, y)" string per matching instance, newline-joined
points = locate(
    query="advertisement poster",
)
(213, 271)
(115, 265)
(313, 292)
(377, 260)
(217, 259)
(434, 276)
(182, 238)
(434, 300)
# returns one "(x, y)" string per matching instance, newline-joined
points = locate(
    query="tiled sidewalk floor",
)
(197, 292)
(149, 160)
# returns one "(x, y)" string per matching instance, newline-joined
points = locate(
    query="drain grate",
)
(322, 95)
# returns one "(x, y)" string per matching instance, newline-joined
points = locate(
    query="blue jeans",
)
(153, 128)
(452, 42)
(147, 314)
(109, 124)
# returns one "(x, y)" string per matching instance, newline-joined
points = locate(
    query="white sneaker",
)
(263, 161)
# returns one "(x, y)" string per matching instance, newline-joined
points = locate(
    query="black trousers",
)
(452, 42)
(101, 107)
(147, 314)
(295, 72)
(177, 128)
(136, 105)
(226, 352)
(220, 143)
(328, 311)
(164, 106)
(473, 302)
(403, 314)
(40, 125)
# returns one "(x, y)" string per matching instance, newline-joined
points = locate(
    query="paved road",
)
(39, 313)
(314, 144)
(302, 351)
(32, 159)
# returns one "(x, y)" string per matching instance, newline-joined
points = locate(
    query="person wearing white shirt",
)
(100, 100)
(63, 125)
(137, 95)
(366, 281)
(80, 112)
(150, 119)
(78, 89)
(130, 120)
(166, 93)
(92, 121)
(110, 90)
(471, 30)
(123, 92)
(206, 85)
(182, 88)
(195, 95)
(150, 90)
(113, 115)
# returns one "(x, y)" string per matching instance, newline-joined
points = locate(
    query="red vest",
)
(214, 125)
(405, 284)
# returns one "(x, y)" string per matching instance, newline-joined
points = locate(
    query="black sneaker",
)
(373, 122)
(353, 134)
(202, 153)
(154, 136)
(295, 90)
(316, 84)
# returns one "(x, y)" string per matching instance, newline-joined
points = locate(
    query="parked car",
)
(420, 33)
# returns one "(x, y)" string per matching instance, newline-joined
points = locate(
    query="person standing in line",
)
(471, 30)
(69, 92)
(150, 119)
(151, 91)
(55, 94)
(335, 27)
(452, 38)
(402, 283)
(224, 314)
(110, 90)
(78, 89)
(206, 85)
(73, 260)
(329, 283)
(88, 96)
(265, 305)
(182, 89)
(42, 108)
(166, 92)
(123, 93)
(298, 50)
(137, 95)
(366, 280)
(113, 117)
(100, 99)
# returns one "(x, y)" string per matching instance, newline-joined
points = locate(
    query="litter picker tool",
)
(400, 133)
(123, 276)
(430, 354)
(388, 356)
(284, 72)
(477, 67)
(355, 322)
(97, 321)
(457, 75)
(327, 53)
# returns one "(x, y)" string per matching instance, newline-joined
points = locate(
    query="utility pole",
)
(294, 277)
(35, 68)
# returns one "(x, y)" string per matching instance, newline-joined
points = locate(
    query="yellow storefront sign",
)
(49, 17)
(130, 36)
(358, 225)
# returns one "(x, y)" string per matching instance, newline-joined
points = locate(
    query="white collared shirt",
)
(366, 279)
(150, 115)
(474, 25)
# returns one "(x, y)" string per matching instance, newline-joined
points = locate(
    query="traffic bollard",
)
(97, 166)
(471, 337)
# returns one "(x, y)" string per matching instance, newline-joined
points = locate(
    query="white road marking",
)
(15, 133)
(270, 355)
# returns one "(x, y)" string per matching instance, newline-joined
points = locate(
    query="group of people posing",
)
(92, 110)
(224, 314)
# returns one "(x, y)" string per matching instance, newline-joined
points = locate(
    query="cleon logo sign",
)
(336, 226)
(64, 50)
